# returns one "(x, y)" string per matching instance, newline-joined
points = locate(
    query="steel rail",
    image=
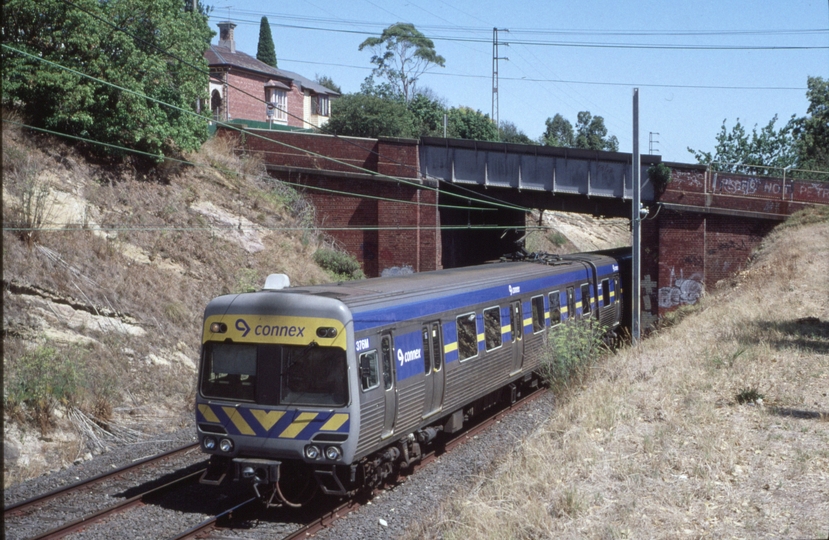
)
(20, 507)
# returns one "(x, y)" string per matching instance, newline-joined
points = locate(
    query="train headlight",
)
(226, 445)
(333, 453)
(312, 452)
(209, 443)
(218, 328)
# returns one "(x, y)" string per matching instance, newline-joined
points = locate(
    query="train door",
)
(517, 329)
(389, 384)
(617, 299)
(433, 368)
(571, 303)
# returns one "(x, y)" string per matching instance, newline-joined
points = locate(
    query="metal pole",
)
(636, 221)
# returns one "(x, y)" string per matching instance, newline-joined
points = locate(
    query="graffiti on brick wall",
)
(815, 190)
(739, 186)
(682, 290)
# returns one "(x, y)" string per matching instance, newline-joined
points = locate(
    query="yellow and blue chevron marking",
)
(293, 424)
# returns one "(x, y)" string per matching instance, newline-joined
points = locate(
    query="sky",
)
(695, 64)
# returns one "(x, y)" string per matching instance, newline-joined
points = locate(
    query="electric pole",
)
(495, 59)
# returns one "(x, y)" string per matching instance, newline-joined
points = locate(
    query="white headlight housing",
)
(312, 452)
(333, 453)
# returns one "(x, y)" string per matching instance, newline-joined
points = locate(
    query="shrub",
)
(343, 266)
(571, 350)
(660, 176)
(40, 380)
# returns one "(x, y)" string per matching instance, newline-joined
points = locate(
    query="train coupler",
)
(217, 469)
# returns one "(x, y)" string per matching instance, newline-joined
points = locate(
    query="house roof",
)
(222, 56)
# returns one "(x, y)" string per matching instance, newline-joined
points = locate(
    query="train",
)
(339, 387)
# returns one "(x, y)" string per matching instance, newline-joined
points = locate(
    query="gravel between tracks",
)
(388, 515)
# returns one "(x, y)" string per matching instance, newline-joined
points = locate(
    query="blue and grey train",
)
(341, 386)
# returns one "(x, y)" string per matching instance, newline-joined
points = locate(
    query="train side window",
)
(492, 327)
(585, 299)
(385, 347)
(571, 303)
(467, 336)
(427, 352)
(555, 308)
(605, 292)
(538, 313)
(369, 370)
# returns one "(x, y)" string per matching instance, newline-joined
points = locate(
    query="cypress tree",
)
(265, 52)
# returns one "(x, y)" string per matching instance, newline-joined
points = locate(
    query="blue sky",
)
(705, 61)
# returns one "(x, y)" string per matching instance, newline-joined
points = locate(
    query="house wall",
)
(246, 96)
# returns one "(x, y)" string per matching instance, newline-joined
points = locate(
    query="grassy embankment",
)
(717, 426)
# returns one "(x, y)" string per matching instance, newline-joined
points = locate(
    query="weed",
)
(343, 266)
(557, 239)
(249, 281)
(749, 395)
(572, 349)
(40, 380)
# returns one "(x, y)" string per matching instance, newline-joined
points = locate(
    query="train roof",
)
(423, 285)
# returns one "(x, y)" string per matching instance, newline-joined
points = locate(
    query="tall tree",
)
(812, 132)
(591, 134)
(741, 152)
(401, 55)
(559, 132)
(509, 133)
(265, 51)
(329, 83)
(154, 56)
(467, 123)
(429, 115)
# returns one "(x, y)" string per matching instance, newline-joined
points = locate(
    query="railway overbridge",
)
(434, 203)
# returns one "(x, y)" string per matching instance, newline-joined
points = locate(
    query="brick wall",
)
(246, 99)
(387, 222)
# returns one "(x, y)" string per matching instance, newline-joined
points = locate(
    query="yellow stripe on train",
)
(298, 425)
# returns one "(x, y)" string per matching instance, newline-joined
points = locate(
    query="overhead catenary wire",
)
(256, 135)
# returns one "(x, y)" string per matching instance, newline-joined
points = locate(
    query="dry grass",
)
(140, 253)
(657, 446)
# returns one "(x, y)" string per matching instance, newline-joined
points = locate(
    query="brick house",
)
(240, 86)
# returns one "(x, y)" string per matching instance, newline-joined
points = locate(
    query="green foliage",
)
(559, 132)
(466, 123)
(70, 35)
(556, 238)
(401, 55)
(248, 281)
(343, 266)
(329, 83)
(812, 132)
(509, 133)
(38, 381)
(740, 152)
(265, 51)
(428, 114)
(590, 133)
(361, 115)
(660, 176)
(572, 349)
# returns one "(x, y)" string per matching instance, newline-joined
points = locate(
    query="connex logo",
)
(408, 356)
(242, 326)
(514, 290)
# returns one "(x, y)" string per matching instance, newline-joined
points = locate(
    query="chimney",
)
(226, 35)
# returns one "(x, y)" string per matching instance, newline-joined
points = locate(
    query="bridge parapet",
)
(568, 171)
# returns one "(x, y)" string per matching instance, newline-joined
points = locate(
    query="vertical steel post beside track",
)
(636, 222)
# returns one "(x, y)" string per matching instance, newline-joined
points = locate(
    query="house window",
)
(280, 100)
(320, 105)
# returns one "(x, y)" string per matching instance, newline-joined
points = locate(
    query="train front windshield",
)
(275, 374)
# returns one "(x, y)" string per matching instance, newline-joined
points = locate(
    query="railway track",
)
(241, 515)
(29, 518)
(227, 513)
